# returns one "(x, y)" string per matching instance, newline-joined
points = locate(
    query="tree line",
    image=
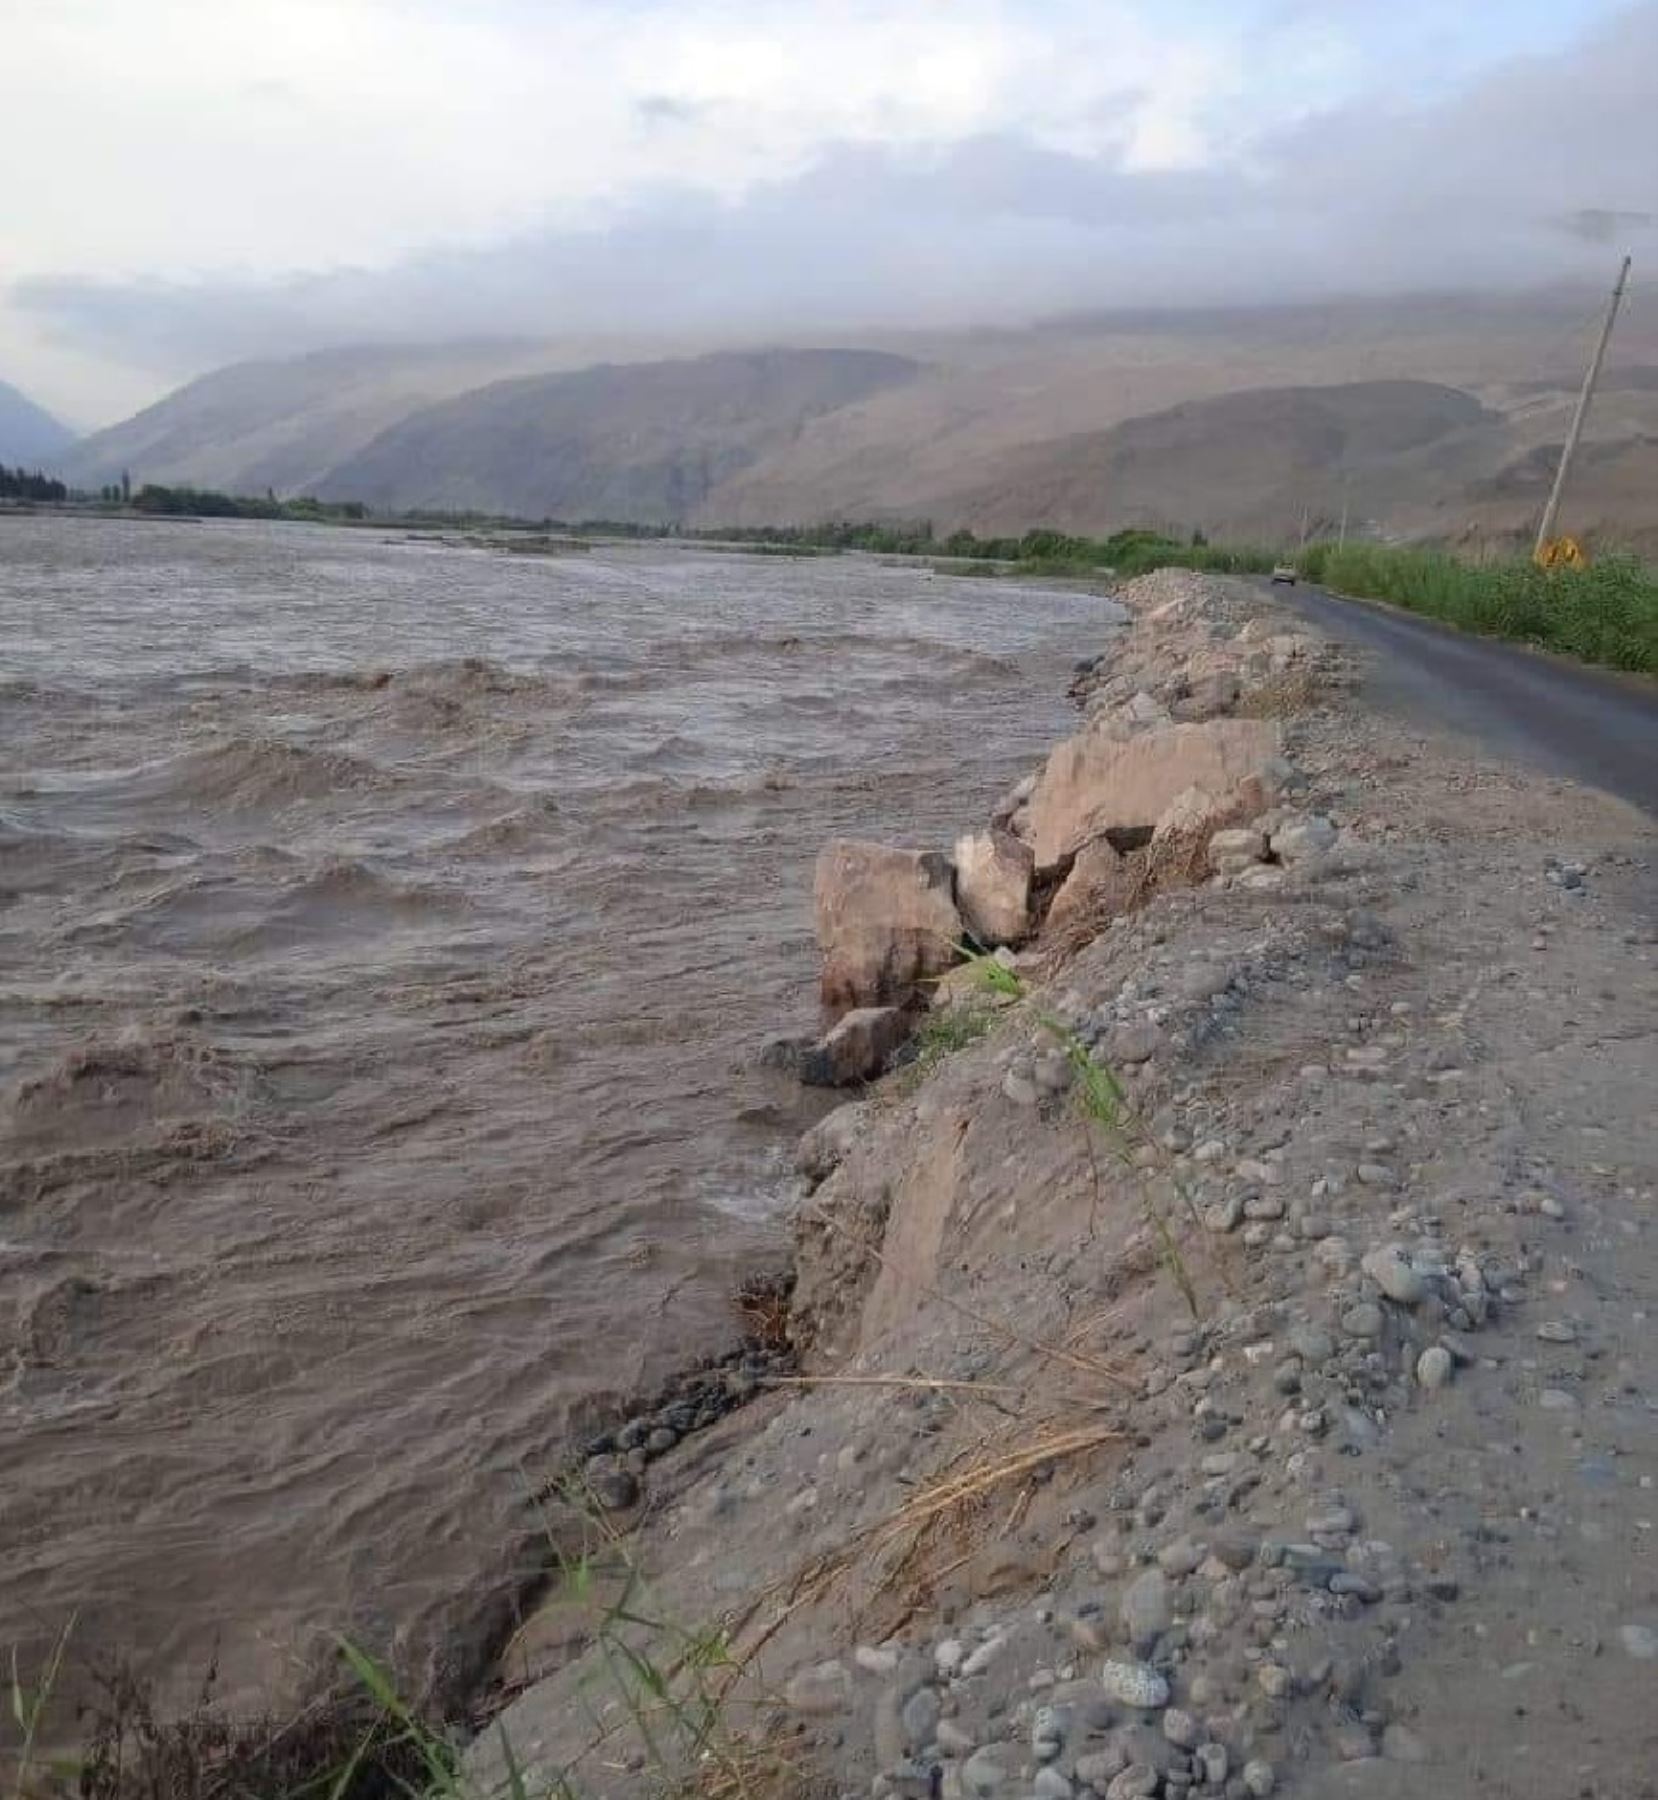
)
(30, 484)
(208, 503)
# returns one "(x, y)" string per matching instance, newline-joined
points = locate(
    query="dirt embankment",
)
(1228, 1340)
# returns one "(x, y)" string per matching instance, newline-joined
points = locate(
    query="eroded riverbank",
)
(1298, 1431)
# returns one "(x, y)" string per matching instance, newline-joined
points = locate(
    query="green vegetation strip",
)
(1607, 613)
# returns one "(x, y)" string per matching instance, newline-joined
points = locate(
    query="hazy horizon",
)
(728, 169)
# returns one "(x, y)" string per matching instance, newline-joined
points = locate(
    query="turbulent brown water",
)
(386, 929)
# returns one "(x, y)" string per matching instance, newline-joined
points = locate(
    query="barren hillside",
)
(1237, 420)
(646, 442)
(997, 435)
(285, 424)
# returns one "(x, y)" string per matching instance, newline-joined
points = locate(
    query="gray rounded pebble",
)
(981, 1659)
(1433, 1366)
(1213, 1763)
(1144, 1607)
(1099, 1766)
(1363, 1320)
(920, 1716)
(1048, 1731)
(1391, 1270)
(1180, 1558)
(981, 1777)
(1180, 1728)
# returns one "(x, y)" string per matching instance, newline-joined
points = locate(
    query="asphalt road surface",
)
(1589, 724)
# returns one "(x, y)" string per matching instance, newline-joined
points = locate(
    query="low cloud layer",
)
(1532, 171)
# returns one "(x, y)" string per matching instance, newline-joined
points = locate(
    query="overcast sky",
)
(194, 181)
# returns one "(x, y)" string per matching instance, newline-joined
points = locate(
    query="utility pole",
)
(1346, 496)
(1545, 531)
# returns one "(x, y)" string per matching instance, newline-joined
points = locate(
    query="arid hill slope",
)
(1205, 418)
(645, 442)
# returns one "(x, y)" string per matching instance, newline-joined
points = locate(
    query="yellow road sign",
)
(1561, 553)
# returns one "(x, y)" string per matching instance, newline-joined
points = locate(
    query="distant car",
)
(1284, 572)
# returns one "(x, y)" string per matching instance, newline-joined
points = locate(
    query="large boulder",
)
(993, 875)
(1101, 886)
(1095, 783)
(1196, 815)
(886, 922)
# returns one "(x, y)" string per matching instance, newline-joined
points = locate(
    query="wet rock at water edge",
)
(886, 923)
(612, 1485)
(826, 1145)
(857, 1048)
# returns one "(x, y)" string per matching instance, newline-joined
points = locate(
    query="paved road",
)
(1588, 724)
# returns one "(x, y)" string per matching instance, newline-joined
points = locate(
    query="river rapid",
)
(387, 927)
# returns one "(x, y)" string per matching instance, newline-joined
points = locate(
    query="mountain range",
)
(29, 435)
(1431, 417)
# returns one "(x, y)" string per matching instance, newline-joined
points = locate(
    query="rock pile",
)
(613, 1462)
(1153, 791)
